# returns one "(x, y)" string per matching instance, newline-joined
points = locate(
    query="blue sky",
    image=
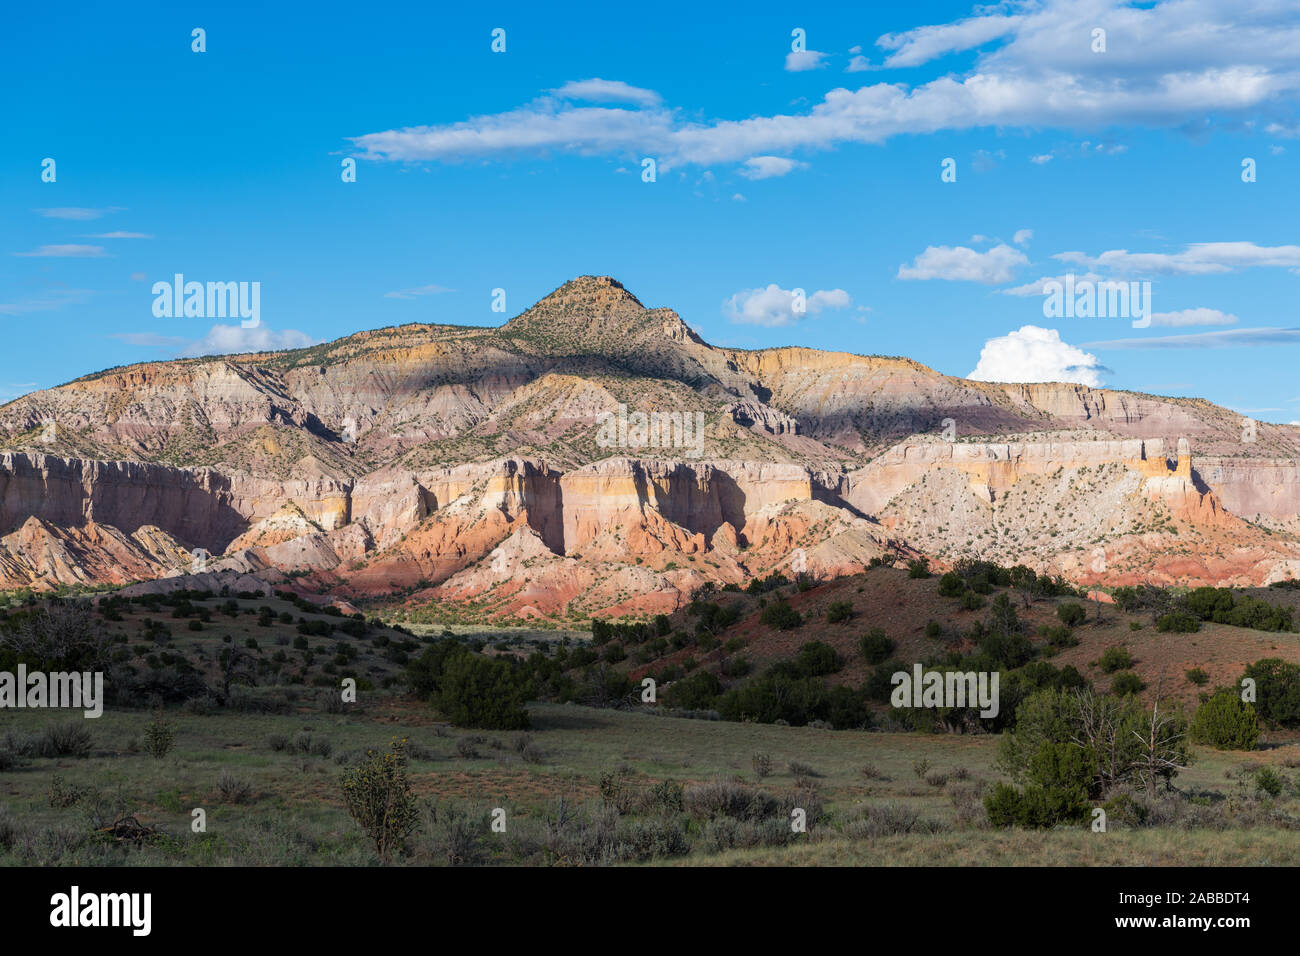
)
(776, 170)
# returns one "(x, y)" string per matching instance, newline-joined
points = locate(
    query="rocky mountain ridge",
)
(470, 466)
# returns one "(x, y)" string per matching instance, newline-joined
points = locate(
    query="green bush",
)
(839, 612)
(876, 646)
(470, 689)
(780, 616)
(1125, 683)
(697, 692)
(1115, 659)
(378, 796)
(1072, 615)
(1177, 622)
(1277, 686)
(1225, 722)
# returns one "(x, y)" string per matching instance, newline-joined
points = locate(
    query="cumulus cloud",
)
(961, 263)
(768, 167)
(796, 61)
(775, 306)
(1034, 354)
(1022, 236)
(1194, 317)
(231, 339)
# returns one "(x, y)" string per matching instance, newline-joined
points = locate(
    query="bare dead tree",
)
(1162, 753)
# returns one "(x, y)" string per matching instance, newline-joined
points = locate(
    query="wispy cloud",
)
(119, 235)
(1200, 258)
(1229, 338)
(597, 90)
(1179, 62)
(78, 212)
(768, 167)
(418, 291)
(65, 252)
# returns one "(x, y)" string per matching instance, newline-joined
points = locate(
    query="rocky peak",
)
(587, 296)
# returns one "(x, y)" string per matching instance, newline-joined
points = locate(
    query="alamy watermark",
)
(924, 688)
(1086, 299)
(211, 300)
(683, 431)
(60, 689)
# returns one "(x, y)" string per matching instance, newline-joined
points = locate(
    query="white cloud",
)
(597, 90)
(1041, 158)
(1229, 338)
(1034, 354)
(801, 60)
(775, 306)
(859, 64)
(120, 235)
(1201, 258)
(1200, 316)
(1022, 236)
(65, 252)
(1036, 287)
(78, 212)
(1180, 61)
(767, 167)
(923, 44)
(738, 197)
(231, 339)
(960, 263)
(418, 291)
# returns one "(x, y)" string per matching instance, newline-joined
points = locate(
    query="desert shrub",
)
(762, 764)
(1072, 615)
(727, 797)
(647, 839)
(1268, 781)
(1277, 686)
(780, 616)
(1197, 676)
(159, 736)
(817, 658)
(233, 789)
(455, 833)
(1059, 636)
(378, 797)
(951, 584)
(696, 692)
(68, 739)
(1115, 659)
(919, 568)
(839, 612)
(1059, 775)
(970, 601)
(1177, 622)
(933, 629)
(1125, 683)
(876, 646)
(1226, 722)
(472, 690)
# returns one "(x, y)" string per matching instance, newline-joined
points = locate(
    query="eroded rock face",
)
(419, 455)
